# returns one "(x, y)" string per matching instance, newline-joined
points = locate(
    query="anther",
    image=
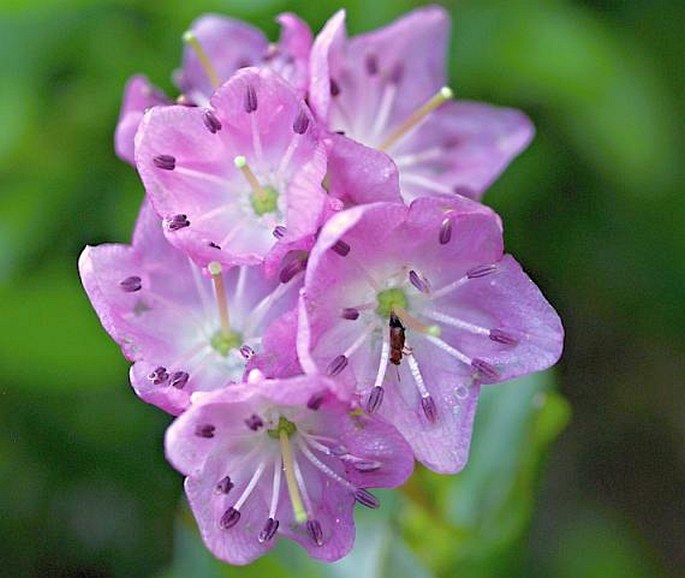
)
(337, 365)
(445, 231)
(396, 74)
(178, 379)
(350, 313)
(429, 408)
(481, 271)
(315, 532)
(367, 499)
(445, 93)
(213, 245)
(418, 281)
(366, 466)
(315, 401)
(223, 486)
(158, 376)
(205, 431)
(339, 450)
(335, 88)
(165, 162)
(178, 222)
(230, 518)
(269, 530)
(254, 422)
(301, 123)
(485, 369)
(341, 248)
(371, 63)
(250, 99)
(294, 267)
(375, 399)
(191, 40)
(131, 284)
(279, 231)
(246, 351)
(502, 336)
(212, 123)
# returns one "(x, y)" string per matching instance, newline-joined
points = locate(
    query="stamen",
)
(456, 322)
(250, 103)
(445, 231)
(350, 313)
(383, 365)
(246, 351)
(131, 284)
(445, 93)
(367, 499)
(165, 162)
(502, 336)
(396, 74)
(229, 519)
(419, 281)
(363, 466)
(375, 399)
(449, 349)
(408, 320)
(337, 365)
(341, 248)
(269, 530)
(293, 488)
(179, 379)
(191, 40)
(254, 422)
(315, 532)
(275, 488)
(178, 222)
(279, 231)
(212, 123)
(224, 486)
(359, 341)
(481, 271)
(158, 376)
(429, 408)
(371, 63)
(215, 271)
(315, 401)
(486, 370)
(294, 267)
(250, 486)
(301, 123)
(205, 431)
(335, 88)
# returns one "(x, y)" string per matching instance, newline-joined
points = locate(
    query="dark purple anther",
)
(291, 269)
(485, 369)
(429, 408)
(178, 379)
(335, 88)
(502, 336)
(213, 245)
(279, 231)
(338, 450)
(269, 530)
(366, 499)
(341, 248)
(366, 466)
(481, 271)
(301, 123)
(337, 365)
(445, 231)
(158, 376)
(419, 282)
(375, 399)
(396, 74)
(371, 64)
(131, 284)
(166, 162)
(250, 99)
(230, 518)
(205, 431)
(350, 313)
(315, 532)
(246, 351)
(254, 422)
(223, 486)
(315, 401)
(212, 123)
(178, 222)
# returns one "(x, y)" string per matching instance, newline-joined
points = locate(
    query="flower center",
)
(223, 342)
(283, 425)
(267, 202)
(390, 299)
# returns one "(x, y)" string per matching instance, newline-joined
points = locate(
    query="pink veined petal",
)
(329, 40)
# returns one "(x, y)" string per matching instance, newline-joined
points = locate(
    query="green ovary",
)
(284, 425)
(389, 299)
(265, 203)
(224, 342)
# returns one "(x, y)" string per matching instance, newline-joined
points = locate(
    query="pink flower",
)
(421, 310)
(282, 457)
(386, 89)
(167, 314)
(226, 177)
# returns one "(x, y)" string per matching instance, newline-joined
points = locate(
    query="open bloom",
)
(421, 310)
(282, 457)
(227, 179)
(386, 89)
(185, 329)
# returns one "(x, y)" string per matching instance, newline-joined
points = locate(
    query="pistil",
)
(299, 512)
(264, 199)
(444, 94)
(191, 40)
(215, 271)
(411, 322)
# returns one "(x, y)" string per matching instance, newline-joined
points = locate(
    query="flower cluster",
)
(313, 286)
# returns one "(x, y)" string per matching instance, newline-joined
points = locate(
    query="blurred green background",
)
(576, 473)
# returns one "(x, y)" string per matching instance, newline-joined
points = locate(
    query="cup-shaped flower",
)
(386, 89)
(421, 310)
(225, 177)
(282, 457)
(185, 329)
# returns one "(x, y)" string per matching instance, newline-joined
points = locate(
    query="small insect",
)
(396, 339)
